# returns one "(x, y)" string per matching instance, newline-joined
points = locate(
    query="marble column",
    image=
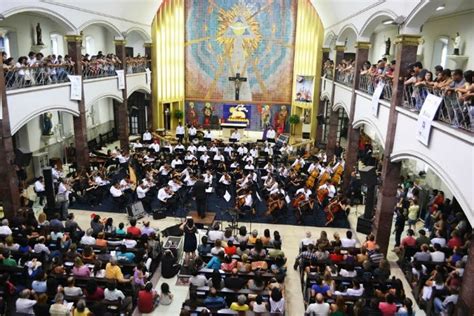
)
(149, 108)
(405, 54)
(122, 113)
(353, 134)
(9, 190)
(332, 135)
(74, 44)
(465, 304)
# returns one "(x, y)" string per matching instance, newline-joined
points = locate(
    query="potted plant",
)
(294, 120)
(178, 114)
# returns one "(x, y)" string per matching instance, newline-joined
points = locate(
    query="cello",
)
(312, 178)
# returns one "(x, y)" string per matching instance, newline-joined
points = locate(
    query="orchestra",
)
(243, 175)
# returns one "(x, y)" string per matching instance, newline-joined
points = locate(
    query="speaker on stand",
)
(49, 188)
(368, 178)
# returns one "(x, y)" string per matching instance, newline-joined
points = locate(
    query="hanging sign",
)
(376, 98)
(76, 87)
(426, 116)
(120, 79)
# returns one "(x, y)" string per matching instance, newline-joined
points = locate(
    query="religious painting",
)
(209, 115)
(240, 50)
(304, 88)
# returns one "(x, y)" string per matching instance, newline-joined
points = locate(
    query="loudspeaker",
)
(368, 176)
(136, 210)
(159, 213)
(364, 225)
(22, 157)
(49, 187)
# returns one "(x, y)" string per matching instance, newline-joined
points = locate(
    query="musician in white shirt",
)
(142, 191)
(189, 156)
(235, 135)
(164, 194)
(249, 166)
(117, 195)
(176, 162)
(147, 137)
(155, 146)
(269, 150)
(202, 148)
(298, 160)
(228, 149)
(192, 148)
(56, 173)
(271, 134)
(242, 150)
(234, 165)
(218, 157)
(208, 177)
(180, 132)
(192, 131)
(254, 152)
(204, 157)
(305, 191)
(248, 158)
(179, 147)
(175, 185)
(137, 144)
(213, 148)
(248, 201)
(208, 134)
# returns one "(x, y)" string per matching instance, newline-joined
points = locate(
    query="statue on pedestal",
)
(39, 40)
(47, 124)
(456, 44)
(388, 43)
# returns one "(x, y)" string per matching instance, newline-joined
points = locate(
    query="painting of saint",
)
(192, 116)
(207, 111)
(265, 116)
(280, 120)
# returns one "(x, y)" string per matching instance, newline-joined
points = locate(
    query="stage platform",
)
(206, 221)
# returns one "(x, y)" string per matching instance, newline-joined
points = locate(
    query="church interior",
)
(237, 157)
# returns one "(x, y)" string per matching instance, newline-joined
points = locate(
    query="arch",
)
(32, 115)
(375, 19)
(441, 173)
(69, 27)
(139, 88)
(364, 121)
(346, 31)
(341, 105)
(329, 39)
(144, 35)
(103, 96)
(325, 96)
(109, 26)
(422, 12)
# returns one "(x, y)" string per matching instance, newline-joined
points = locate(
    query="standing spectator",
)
(190, 240)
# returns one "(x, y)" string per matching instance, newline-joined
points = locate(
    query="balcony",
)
(26, 77)
(345, 77)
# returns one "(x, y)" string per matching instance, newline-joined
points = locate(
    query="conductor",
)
(200, 196)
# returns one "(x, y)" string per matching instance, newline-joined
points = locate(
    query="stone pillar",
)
(122, 113)
(9, 190)
(353, 134)
(74, 43)
(465, 304)
(149, 108)
(405, 54)
(332, 135)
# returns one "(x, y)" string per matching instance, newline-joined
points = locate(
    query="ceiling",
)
(332, 12)
(455, 6)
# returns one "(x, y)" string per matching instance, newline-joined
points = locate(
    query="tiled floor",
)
(291, 236)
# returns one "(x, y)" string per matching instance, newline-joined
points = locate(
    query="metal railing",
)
(452, 110)
(368, 83)
(345, 77)
(31, 76)
(91, 70)
(137, 65)
(328, 73)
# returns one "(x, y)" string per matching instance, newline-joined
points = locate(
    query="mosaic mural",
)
(252, 38)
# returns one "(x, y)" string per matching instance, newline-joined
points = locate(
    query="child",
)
(166, 298)
(120, 231)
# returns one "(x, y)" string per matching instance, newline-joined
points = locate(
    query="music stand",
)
(233, 140)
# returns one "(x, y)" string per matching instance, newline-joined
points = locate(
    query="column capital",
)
(363, 45)
(326, 49)
(147, 44)
(73, 38)
(408, 40)
(120, 42)
(340, 48)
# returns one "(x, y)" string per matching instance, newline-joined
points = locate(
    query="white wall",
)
(100, 118)
(448, 26)
(22, 33)
(136, 41)
(377, 50)
(103, 39)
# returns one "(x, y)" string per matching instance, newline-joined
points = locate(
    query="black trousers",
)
(201, 207)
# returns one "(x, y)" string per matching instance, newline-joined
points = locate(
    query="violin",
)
(274, 202)
(300, 198)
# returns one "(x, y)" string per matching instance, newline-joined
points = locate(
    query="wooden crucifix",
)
(237, 82)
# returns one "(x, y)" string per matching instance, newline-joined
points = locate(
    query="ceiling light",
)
(387, 22)
(441, 7)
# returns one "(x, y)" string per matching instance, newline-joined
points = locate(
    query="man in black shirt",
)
(200, 195)
(234, 282)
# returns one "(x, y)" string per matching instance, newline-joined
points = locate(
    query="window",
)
(90, 45)
(54, 45)
(440, 51)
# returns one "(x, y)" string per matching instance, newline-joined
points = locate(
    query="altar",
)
(228, 127)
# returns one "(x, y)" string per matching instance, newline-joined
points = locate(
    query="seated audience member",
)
(437, 255)
(81, 309)
(204, 248)
(71, 289)
(319, 307)
(59, 308)
(409, 240)
(423, 255)
(113, 271)
(93, 292)
(231, 249)
(241, 304)
(348, 241)
(169, 265)
(234, 281)
(80, 269)
(133, 230)
(215, 233)
(148, 299)
(259, 306)
(336, 256)
(197, 279)
(216, 261)
(125, 256)
(87, 239)
(320, 288)
(25, 302)
(277, 301)
(166, 297)
(228, 263)
(100, 240)
(213, 301)
(388, 308)
(111, 293)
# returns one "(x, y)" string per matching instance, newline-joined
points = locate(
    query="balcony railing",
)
(328, 72)
(91, 70)
(368, 83)
(24, 77)
(137, 65)
(345, 77)
(452, 110)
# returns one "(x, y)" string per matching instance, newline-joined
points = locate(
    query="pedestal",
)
(38, 48)
(458, 61)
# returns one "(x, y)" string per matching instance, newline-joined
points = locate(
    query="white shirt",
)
(439, 240)
(63, 190)
(113, 295)
(235, 135)
(223, 180)
(87, 240)
(147, 136)
(219, 157)
(254, 152)
(332, 191)
(25, 305)
(207, 178)
(141, 192)
(202, 148)
(179, 130)
(176, 162)
(248, 200)
(242, 150)
(98, 180)
(208, 134)
(155, 147)
(174, 186)
(5, 230)
(204, 157)
(192, 131)
(249, 167)
(213, 235)
(137, 145)
(179, 147)
(115, 192)
(228, 149)
(438, 256)
(122, 159)
(39, 186)
(318, 309)
(306, 193)
(271, 134)
(348, 243)
(192, 149)
(163, 195)
(189, 157)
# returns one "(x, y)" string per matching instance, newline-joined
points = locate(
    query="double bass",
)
(333, 207)
(312, 178)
